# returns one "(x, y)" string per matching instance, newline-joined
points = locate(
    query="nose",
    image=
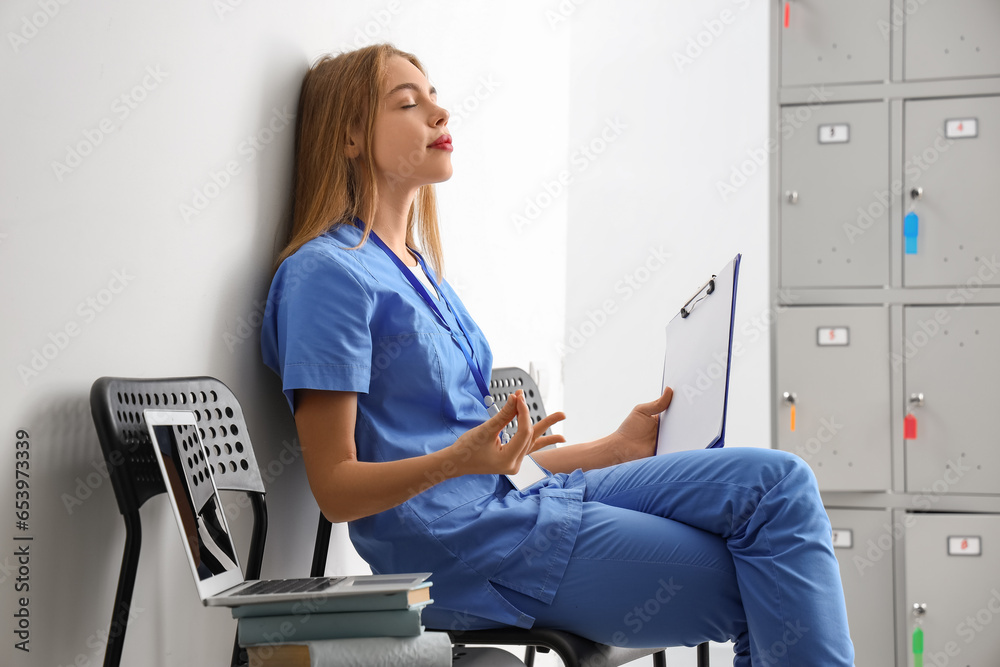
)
(441, 116)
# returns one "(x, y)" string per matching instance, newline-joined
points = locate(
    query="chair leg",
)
(529, 656)
(660, 659)
(703, 655)
(321, 547)
(123, 596)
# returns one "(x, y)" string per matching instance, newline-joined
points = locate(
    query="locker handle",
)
(789, 397)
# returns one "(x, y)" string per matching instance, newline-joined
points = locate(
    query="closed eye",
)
(408, 106)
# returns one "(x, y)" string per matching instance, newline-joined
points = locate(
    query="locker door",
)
(863, 543)
(834, 41)
(835, 361)
(953, 567)
(835, 185)
(951, 39)
(950, 356)
(956, 239)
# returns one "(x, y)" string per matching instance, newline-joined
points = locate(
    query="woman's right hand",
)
(479, 451)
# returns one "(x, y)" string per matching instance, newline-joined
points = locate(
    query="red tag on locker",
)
(788, 11)
(910, 427)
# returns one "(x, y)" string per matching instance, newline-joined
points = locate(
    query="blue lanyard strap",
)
(422, 291)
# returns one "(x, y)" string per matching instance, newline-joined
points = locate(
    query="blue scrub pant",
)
(718, 544)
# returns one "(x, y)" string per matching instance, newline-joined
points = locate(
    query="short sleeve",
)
(316, 332)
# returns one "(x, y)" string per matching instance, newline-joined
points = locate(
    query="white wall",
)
(686, 84)
(220, 78)
(528, 88)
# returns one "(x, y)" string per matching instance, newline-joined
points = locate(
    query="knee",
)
(779, 466)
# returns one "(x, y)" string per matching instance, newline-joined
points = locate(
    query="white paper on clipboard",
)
(696, 366)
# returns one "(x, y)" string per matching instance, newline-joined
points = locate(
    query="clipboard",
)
(696, 365)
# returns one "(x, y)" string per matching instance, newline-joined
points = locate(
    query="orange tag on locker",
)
(910, 427)
(793, 416)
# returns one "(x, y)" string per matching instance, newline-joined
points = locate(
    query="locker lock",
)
(792, 196)
(917, 193)
(788, 397)
(916, 400)
(919, 609)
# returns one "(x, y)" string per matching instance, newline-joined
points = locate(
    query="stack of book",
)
(364, 629)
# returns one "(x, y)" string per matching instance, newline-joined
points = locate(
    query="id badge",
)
(529, 474)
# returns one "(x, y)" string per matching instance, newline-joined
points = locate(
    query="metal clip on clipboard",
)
(685, 309)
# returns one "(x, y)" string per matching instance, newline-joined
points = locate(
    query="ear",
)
(353, 145)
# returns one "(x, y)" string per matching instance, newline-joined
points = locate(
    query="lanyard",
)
(488, 402)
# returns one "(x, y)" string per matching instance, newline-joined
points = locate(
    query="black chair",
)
(573, 650)
(117, 405)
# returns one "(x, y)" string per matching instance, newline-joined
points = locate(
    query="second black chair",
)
(573, 650)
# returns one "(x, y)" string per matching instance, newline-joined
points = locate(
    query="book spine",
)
(328, 605)
(296, 628)
(430, 649)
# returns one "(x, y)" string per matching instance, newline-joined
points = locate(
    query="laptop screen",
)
(194, 499)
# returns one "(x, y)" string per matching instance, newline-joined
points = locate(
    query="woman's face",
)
(406, 126)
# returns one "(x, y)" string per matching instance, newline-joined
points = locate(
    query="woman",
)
(384, 370)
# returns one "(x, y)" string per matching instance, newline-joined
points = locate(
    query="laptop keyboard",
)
(269, 586)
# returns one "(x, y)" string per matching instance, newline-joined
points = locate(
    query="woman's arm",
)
(634, 439)
(348, 489)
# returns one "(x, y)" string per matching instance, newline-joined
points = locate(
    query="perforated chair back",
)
(117, 406)
(505, 381)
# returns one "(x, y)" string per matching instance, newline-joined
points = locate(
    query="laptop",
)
(211, 553)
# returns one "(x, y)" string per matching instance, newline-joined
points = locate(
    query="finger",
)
(659, 405)
(507, 412)
(522, 440)
(545, 441)
(545, 423)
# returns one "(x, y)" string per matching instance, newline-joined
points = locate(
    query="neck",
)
(390, 219)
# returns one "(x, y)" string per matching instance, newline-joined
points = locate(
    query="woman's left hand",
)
(636, 437)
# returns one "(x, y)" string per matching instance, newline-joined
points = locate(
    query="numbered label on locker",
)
(950, 172)
(832, 407)
(834, 210)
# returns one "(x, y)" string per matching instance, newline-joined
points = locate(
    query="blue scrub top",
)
(349, 320)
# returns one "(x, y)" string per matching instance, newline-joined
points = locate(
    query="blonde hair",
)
(339, 94)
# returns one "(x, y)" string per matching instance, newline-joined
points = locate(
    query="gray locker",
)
(834, 41)
(951, 362)
(953, 572)
(835, 203)
(950, 185)
(834, 362)
(950, 39)
(863, 541)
